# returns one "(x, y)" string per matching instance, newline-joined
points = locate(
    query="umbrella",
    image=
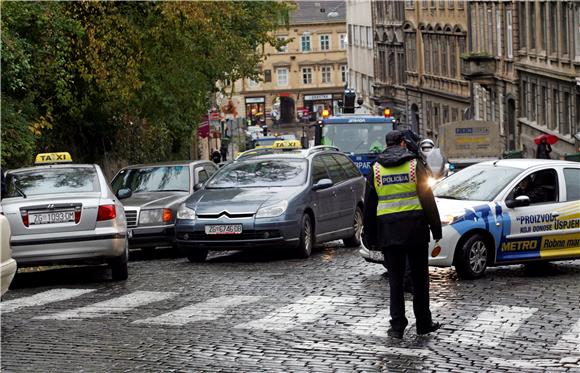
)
(550, 139)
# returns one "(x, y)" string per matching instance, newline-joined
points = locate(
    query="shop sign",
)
(254, 100)
(317, 97)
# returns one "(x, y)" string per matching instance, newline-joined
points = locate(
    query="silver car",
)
(275, 199)
(151, 195)
(65, 213)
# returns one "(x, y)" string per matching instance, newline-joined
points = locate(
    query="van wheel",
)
(472, 257)
(357, 225)
(306, 237)
(119, 266)
(196, 255)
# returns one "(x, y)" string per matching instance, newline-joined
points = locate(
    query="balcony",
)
(479, 68)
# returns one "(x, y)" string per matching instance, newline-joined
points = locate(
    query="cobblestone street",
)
(265, 311)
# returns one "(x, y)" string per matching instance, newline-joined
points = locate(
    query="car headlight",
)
(272, 210)
(185, 213)
(451, 218)
(155, 216)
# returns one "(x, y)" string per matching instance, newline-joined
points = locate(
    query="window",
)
(305, 43)
(436, 49)
(543, 120)
(555, 108)
(85, 179)
(307, 75)
(146, 179)
(427, 54)
(410, 4)
(324, 42)
(282, 76)
(565, 122)
(532, 24)
(356, 35)
(318, 170)
(432, 4)
(564, 31)
(510, 35)
(461, 4)
(533, 93)
(523, 98)
(553, 18)
(572, 178)
(349, 167)
(543, 26)
(454, 114)
(445, 114)
(350, 38)
(400, 67)
(267, 76)
(498, 31)
(343, 41)
(451, 4)
(369, 38)
(444, 56)
(325, 72)
(441, 4)
(343, 73)
(335, 171)
(202, 175)
(577, 36)
(522, 23)
(540, 187)
(282, 49)
(424, 4)
(253, 83)
(453, 57)
(490, 39)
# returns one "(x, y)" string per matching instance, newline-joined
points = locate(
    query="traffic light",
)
(349, 98)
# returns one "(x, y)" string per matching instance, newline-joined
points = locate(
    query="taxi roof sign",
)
(48, 158)
(287, 144)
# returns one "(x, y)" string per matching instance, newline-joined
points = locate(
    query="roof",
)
(526, 163)
(55, 165)
(357, 118)
(318, 12)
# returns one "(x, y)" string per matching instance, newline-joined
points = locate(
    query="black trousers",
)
(395, 258)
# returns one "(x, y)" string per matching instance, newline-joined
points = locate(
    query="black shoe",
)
(395, 333)
(431, 328)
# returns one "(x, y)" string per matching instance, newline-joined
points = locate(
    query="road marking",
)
(491, 325)
(378, 325)
(306, 310)
(211, 309)
(360, 348)
(115, 305)
(571, 339)
(40, 299)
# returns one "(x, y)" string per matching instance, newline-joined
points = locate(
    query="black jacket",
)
(406, 228)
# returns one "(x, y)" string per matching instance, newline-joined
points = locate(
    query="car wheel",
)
(119, 266)
(306, 237)
(355, 239)
(196, 255)
(472, 258)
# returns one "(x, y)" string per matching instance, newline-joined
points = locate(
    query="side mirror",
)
(520, 201)
(197, 186)
(322, 184)
(124, 193)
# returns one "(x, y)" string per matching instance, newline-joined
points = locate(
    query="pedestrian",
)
(544, 149)
(399, 210)
(216, 157)
(224, 152)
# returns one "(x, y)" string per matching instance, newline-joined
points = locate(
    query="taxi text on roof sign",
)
(287, 144)
(60, 157)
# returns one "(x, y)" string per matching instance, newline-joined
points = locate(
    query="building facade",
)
(306, 76)
(524, 63)
(360, 54)
(390, 76)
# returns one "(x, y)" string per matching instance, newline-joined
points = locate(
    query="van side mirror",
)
(197, 186)
(124, 193)
(520, 201)
(322, 184)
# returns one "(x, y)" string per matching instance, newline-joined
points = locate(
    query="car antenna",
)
(495, 162)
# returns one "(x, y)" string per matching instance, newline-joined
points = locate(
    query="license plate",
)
(52, 217)
(223, 229)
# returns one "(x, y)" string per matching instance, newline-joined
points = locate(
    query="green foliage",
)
(128, 79)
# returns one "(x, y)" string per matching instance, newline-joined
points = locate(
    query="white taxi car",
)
(506, 212)
(7, 264)
(61, 213)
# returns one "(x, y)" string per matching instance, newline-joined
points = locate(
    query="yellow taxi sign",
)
(287, 144)
(59, 157)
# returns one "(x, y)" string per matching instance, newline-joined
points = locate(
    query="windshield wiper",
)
(168, 190)
(449, 197)
(19, 191)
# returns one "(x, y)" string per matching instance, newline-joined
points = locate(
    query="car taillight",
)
(106, 212)
(167, 215)
(77, 214)
(24, 215)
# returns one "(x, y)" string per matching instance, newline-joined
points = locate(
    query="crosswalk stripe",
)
(306, 310)
(491, 325)
(361, 348)
(209, 310)
(115, 305)
(40, 299)
(571, 339)
(378, 325)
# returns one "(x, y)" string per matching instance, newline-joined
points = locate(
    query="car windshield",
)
(54, 180)
(357, 138)
(153, 179)
(261, 173)
(476, 183)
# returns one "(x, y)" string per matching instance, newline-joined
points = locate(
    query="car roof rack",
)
(320, 148)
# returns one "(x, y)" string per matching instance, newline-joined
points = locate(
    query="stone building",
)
(359, 20)
(524, 62)
(307, 75)
(435, 36)
(389, 87)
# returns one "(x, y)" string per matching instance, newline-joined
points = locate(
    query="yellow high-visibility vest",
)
(396, 188)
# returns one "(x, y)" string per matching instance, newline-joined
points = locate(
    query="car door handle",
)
(334, 193)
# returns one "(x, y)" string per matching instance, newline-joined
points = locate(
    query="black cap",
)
(394, 138)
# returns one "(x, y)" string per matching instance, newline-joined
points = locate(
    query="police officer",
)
(398, 213)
